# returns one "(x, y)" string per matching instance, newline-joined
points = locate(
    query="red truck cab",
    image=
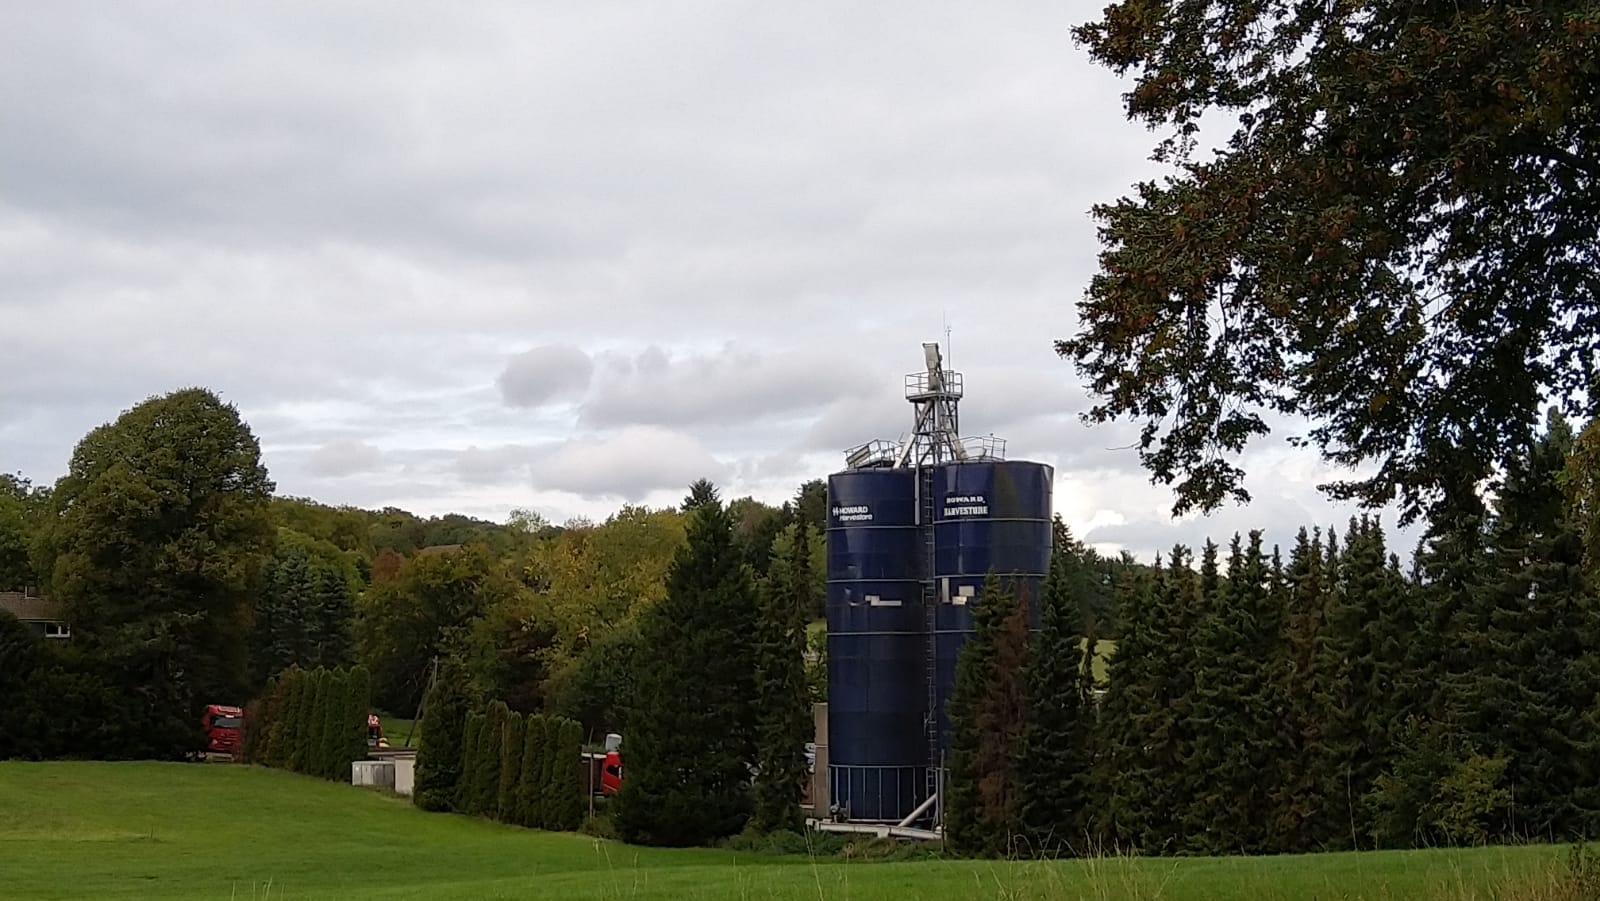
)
(222, 724)
(611, 773)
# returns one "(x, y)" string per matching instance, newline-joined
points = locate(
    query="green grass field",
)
(146, 830)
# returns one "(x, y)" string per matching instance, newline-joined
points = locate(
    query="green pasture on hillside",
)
(222, 831)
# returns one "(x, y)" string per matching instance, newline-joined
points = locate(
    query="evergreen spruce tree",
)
(1366, 656)
(1055, 760)
(1533, 675)
(512, 740)
(1298, 822)
(1240, 742)
(1126, 788)
(1198, 729)
(334, 617)
(467, 796)
(692, 733)
(784, 714)
(987, 713)
(442, 742)
(1166, 728)
(530, 787)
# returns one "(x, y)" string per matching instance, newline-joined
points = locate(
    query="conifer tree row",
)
(493, 762)
(311, 721)
(1330, 701)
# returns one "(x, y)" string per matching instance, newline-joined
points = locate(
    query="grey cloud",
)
(630, 464)
(730, 385)
(493, 465)
(344, 458)
(535, 377)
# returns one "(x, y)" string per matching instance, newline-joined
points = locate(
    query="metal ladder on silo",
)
(930, 604)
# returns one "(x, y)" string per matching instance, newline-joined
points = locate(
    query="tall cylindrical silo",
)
(877, 683)
(986, 516)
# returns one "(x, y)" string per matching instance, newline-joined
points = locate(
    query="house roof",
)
(29, 608)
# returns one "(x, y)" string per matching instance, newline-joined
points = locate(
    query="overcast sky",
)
(470, 257)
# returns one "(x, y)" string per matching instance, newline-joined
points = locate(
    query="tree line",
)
(310, 721)
(188, 582)
(1330, 700)
(494, 762)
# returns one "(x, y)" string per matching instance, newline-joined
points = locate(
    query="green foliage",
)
(485, 772)
(1395, 241)
(598, 688)
(530, 783)
(1241, 747)
(1437, 790)
(513, 739)
(692, 731)
(1528, 634)
(784, 712)
(336, 724)
(1580, 484)
(307, 722)
(594, 581)
(987, 712)
(428, 610)
(1147, 730)
(359, 700)
(564, 801)
(441, 747)
(468, 798)
(549, 768)
(304, 610)
(1296, 802)
(158, 533)
(23, 512)
(1057, 743)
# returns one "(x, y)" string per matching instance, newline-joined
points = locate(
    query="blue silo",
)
(877, 693)
(914, 528)
(986, 516)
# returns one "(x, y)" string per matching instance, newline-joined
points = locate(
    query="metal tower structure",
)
(935, 394)
(935, 437)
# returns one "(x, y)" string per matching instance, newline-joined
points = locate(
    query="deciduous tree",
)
(158, 533)
(1397, 241)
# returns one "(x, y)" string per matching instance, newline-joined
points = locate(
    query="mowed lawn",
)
(147, 830)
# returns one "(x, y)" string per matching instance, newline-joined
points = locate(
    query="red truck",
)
(222, 724)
